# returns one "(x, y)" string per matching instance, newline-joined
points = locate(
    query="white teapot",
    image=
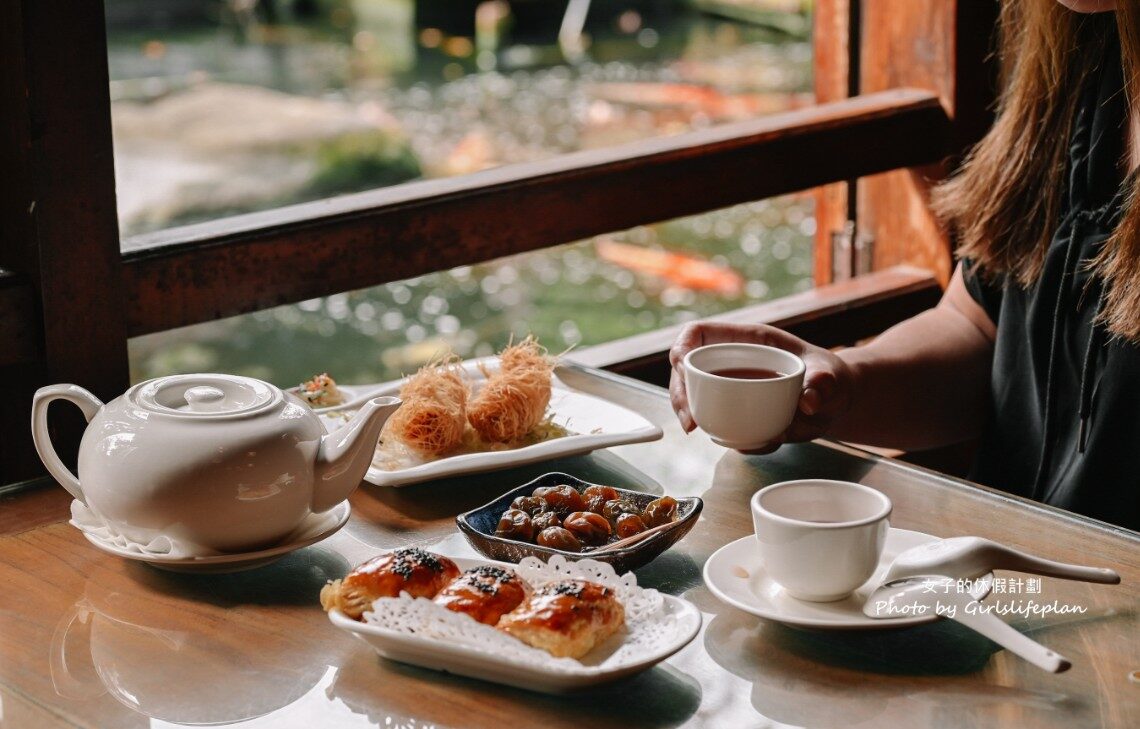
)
(225, 462)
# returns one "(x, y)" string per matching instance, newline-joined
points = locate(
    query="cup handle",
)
(86, 402)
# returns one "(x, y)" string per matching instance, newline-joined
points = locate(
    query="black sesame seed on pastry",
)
(566, 618)
(413, 570)
(485, 593)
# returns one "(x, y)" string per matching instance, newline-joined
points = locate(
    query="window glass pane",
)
(231, 106)
(590, 292)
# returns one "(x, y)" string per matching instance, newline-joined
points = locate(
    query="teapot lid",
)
(204, 395)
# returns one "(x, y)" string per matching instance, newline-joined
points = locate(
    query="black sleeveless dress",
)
(1064, 424)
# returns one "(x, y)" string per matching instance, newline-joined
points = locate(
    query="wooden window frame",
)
(72, 293)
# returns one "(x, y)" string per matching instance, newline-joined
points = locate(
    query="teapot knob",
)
(203, 398)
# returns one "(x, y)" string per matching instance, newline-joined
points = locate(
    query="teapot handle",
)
(63, 680)
(86, 402)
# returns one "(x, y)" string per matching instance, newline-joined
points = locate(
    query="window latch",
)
(851, 252)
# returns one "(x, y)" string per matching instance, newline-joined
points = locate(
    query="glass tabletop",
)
(91, 640)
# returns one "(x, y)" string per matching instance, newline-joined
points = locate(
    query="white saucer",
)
(235, 561)
(735, 575)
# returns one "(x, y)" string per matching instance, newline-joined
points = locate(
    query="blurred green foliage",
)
(359, 161)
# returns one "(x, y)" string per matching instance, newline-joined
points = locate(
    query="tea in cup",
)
(743, 395)
(820, 539)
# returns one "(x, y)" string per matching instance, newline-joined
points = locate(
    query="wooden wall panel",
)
(21, 371)
(830, 45)
(918, 44)
(894, 210)
(60, 229)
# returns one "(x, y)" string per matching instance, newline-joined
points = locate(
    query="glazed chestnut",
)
(559, 538)
(530, 504)
(613, 509)
(541, 491)
(588, 527)
(515, 524)
(597, 496)
(564, 500)
(609, 492)
(628, 525)
(660, 511)
(545, 520)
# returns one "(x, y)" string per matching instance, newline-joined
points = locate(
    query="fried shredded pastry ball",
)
(413, 570)
(566, 618)
(433, 415)
(513, 400)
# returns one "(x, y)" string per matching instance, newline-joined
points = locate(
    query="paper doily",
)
(648, 625)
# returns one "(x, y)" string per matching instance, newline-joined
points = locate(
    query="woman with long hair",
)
(1035, 346)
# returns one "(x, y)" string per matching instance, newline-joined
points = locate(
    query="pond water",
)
(447, 104)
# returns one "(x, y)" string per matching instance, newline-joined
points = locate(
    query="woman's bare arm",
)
(925, 382)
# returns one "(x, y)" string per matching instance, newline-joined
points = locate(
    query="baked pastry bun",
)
(566, 618)
(412, 570)
(485, 593)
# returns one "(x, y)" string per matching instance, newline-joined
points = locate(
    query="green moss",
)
(361, 161)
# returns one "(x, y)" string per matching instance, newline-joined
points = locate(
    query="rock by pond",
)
(227, 148)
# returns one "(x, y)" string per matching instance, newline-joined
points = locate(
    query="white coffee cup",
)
(820, 539)
(742, 413)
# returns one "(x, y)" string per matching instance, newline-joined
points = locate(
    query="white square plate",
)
(657, 626)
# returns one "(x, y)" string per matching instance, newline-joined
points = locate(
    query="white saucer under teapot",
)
(225, 462)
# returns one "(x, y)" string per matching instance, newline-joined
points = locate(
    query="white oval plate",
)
(234, 561)
(465, 660)
(736, 575)
(595, 423)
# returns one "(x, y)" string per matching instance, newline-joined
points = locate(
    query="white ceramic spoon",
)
(969, 557)
(937, 595)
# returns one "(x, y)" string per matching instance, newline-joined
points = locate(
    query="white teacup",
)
(820, 539)
(737, 412)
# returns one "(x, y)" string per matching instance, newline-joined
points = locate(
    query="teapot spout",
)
(345, 454)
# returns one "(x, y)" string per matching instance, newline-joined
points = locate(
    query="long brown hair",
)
(1006, 200)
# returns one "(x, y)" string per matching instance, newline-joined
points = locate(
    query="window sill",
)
(829, 316)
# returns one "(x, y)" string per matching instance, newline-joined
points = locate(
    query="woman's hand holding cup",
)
(826, 388)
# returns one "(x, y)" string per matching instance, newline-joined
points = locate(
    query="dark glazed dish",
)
(480, 525)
